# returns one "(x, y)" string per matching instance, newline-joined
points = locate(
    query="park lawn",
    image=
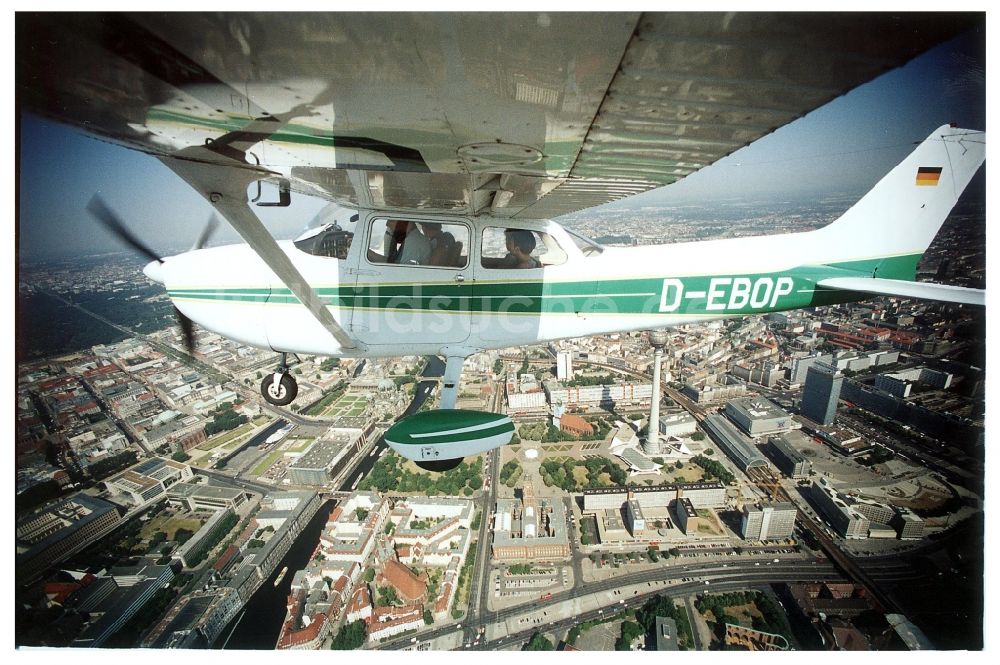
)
(225, 437)
(356, 412)
(411, 466)
(326, 406)
(169, 526)
(744, 613)
(340, 407)
(709, 522)
(301, 444)
(580, 475)
(691, 473)
(266, 463)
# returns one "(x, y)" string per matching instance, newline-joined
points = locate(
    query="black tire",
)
(284, 395)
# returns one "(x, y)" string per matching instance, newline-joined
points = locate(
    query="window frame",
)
(540, 233)
(470, 229)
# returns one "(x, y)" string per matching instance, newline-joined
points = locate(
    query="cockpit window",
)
(329, 234)
(419, 243)
(512, 248)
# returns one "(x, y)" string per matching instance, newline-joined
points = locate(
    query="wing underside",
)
(529, 115)
(904, 289)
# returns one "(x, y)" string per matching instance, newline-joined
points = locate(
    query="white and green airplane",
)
(452, 170)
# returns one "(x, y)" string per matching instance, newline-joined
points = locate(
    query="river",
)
(259, 625)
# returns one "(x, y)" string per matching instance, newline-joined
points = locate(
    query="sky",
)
(842, 147)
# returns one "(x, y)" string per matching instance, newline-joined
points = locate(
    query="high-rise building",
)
(800, 366)
(564, 365)
(769, 522)
(819, 399)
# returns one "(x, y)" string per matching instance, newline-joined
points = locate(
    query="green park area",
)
(393, 473)
(341, 405)
(747, 608)
(223, 438)
(573, 475)
(266, 463)
(170, 525)
(298, 444)
(640, 623)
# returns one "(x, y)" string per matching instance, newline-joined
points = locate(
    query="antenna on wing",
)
(113, 223)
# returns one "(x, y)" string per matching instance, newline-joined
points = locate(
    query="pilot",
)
(407, 245)
(442, 243)
(520, 244)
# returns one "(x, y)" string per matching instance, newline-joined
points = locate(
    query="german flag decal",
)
(928, 176)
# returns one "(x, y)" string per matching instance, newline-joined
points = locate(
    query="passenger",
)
(408, 245)
(520, 244)
(442, 244)
(395, 232)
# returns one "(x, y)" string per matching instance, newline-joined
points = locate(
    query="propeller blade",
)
(187, 329)
(113, 223)
(206, 233)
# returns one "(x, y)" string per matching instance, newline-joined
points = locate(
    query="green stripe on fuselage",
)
(709, 295)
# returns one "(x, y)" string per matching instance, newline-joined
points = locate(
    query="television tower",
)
(651, 446)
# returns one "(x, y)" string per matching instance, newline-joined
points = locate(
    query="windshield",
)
(586, 246)
(329, 233)
(343, 218)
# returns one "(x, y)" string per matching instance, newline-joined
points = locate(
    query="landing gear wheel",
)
(281, 394)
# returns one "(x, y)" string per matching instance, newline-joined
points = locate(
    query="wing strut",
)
(218, 171)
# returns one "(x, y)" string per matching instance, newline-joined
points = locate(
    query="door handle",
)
(459, 278)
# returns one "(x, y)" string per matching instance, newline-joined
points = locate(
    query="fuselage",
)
(474, 304)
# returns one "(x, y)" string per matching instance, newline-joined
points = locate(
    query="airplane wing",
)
(895, 287)
(524, 115)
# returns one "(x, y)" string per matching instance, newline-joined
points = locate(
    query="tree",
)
(630, 631)
(428, 617)
(369, 575)
(387, 596)
(538, 642)
(351, 636)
